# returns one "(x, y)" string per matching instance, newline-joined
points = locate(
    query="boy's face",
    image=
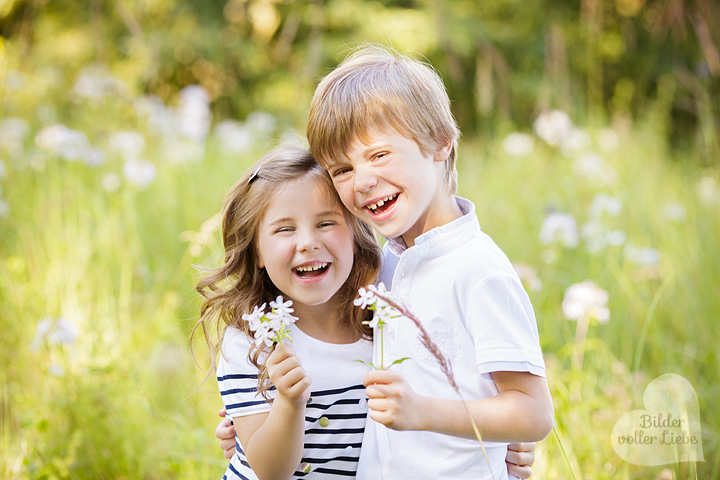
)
(392, 185)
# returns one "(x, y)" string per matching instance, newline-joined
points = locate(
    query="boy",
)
(381, 125)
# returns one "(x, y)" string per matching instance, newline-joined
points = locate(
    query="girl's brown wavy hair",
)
(234, 288)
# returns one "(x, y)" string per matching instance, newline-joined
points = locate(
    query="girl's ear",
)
(443, 152)
(260, 264)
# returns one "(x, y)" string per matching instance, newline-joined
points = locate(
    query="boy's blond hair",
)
(377, 87)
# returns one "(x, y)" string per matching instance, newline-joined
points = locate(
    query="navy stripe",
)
(337, 416)
(238, 376)
(328, 471)
(343, 401)
(238, 390)
(326, 460)
(327, 431)
(237, 473)
(244, 404)
(329, 446)
(337, 391)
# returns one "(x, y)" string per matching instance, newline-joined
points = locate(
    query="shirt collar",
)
(449, 233)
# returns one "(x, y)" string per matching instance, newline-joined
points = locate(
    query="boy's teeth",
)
(380, 202)
(310, 268)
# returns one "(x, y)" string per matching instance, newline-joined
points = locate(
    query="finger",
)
(520, 472)
(227, 444)
(222, 412)
(225, 429)
(229, 453)
(522, 446)
(380, 377)
(520, 458)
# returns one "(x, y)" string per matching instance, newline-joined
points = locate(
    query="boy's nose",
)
(364, 180)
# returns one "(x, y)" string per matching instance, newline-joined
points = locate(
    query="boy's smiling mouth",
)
(381, 205)
(311, 270)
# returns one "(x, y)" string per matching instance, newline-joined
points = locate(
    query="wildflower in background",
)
(707, 190)
(261, 122)
(96, 82)
(4, 208)
(194, 115)
(160, 119)
(644, 256)
(13, 132)
(592, 166)
(140, 173)
(69, 144)
(559, 228)
(291, 137)
(608, 139)
(674, 212)
(56, 370)
(597, 237)
(604, 204)
(552, 126)
(528, 276)
(272, 327)
(58, 331)
(111, 182)
(586, 301)
(518, 144)
(129, 143)
(233, 136)
(576, 140)
(3, 172)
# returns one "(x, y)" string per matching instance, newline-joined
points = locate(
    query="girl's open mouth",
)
(311, 270)
(382, 205)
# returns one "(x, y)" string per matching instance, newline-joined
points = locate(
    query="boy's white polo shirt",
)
(466, 293)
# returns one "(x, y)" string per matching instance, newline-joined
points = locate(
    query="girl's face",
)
(304, 242)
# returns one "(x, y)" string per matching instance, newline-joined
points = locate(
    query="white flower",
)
(194, 115)
(605, 204)
(62, 141)
(367, 297)
(592, 166)
(261, 122)
(518, 144)
(255, 317)
(159, 117)
(56, 331)
(576, 139)
(674, 212)
(280, 307)
(4, 208)
(586, 301)
(56, 370)
(12, 134)
(646, 256)
(290, 137)
(559, 228)
(707, 190)
(111, 182)
(233, 136)
(607, 139)
(140, 173)
(552, 126)
(3, 172)
(129, 144)
(528, 276)
(96, 82)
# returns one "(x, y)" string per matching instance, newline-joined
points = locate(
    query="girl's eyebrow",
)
(280, 220)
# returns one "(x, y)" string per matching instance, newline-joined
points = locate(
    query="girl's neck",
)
(323, 322)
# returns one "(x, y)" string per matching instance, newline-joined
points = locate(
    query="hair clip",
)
(254, 176)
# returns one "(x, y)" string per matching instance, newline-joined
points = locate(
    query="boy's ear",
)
(443, 152)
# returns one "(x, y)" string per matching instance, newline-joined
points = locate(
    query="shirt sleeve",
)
(238, 378)
(502, 324)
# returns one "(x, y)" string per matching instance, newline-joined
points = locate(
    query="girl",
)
(299, 407)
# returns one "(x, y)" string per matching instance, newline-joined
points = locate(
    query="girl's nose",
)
(307, 241)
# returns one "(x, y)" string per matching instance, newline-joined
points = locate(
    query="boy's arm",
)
(522, 411)
(273, 442)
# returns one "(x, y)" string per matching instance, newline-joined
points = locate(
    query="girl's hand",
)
(519, 459)
(391, 400)
(288, 376)
(225, 433)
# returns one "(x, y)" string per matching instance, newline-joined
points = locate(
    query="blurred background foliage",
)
(590, 146)
(503, 62)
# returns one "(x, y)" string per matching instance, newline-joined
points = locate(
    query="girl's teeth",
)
(310, 268)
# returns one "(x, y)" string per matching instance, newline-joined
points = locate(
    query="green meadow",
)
(108, 204)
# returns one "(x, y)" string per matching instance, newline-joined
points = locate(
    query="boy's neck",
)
(445, 209)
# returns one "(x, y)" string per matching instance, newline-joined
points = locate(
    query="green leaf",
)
(398, 361)
(367, 364)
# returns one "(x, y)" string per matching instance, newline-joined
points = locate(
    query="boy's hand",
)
(286, 373)
(225, 433)
(391, 400)
(519, 459)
